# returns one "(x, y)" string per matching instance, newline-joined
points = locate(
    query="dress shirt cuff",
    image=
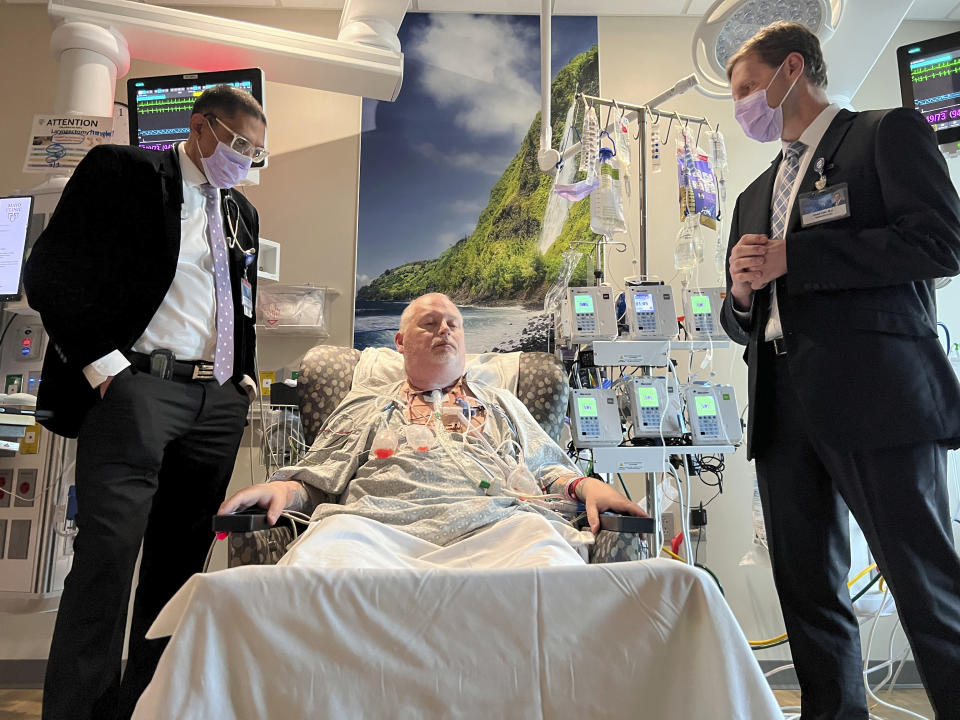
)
(742, 316)
(247, 383)
(111, 364)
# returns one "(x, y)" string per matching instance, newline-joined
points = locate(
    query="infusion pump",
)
(588, 314)
(713, 415)
(651, 314)
(701, 313)
(653, 405)
(595, 417)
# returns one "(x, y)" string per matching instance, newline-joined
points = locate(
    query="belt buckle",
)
(202, 371)
(779, 346)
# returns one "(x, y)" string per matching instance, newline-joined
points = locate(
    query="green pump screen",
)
(700, 304)
(706, 407)
(587, 407)
(583, 304)
(648, 397)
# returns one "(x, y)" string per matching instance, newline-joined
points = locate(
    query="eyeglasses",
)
(241, 145)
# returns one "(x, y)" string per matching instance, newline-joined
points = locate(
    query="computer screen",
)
(15, 215)
(160, 106)
(930, 83)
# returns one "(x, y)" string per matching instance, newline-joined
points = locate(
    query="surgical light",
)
(727, 24)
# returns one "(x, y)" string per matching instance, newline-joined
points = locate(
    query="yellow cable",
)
(860, 574)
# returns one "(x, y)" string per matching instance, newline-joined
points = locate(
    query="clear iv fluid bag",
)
(606, 202)
(688, 252)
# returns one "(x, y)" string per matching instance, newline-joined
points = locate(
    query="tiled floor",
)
(25, 704)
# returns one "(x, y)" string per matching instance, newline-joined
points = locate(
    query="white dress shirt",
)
(810, 137)
(186, 320)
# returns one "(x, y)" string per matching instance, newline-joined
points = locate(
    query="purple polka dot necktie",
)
(223, 356)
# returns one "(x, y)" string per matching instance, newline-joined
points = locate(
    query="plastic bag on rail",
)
(551, 301)
(558, 204)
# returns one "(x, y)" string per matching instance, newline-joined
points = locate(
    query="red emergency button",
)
(27, 342)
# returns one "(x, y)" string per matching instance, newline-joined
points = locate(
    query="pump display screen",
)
(643, 302)
(706, 407)
(583, 304)
(700, 304)
(648, 397)
(587, 407)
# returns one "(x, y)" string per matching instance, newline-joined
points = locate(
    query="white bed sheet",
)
(644, 639)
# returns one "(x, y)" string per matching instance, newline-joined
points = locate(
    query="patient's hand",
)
(600, 497)
(275, 497)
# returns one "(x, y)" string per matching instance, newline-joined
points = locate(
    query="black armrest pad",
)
(248, 520)
(622, 523)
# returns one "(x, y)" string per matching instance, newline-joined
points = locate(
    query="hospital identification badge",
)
(246, 296)
(825, 205)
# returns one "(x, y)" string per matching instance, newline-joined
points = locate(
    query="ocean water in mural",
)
(451, 197)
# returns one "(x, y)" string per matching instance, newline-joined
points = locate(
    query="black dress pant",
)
(899, 498)
(154, 458)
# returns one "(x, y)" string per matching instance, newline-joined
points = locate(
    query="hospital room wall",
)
(639, 58)
(307, 199)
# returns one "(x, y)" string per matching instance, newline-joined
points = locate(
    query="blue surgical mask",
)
(760, 121)
(225, 167)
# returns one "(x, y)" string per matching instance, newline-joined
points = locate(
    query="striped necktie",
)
(779, 214)
(781, 195)
(223, 355)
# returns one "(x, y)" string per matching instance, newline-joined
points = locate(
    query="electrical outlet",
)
(667, 520)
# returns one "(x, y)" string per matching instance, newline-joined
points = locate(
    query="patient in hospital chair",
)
(431, 471)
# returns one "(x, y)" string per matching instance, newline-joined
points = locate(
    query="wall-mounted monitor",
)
(15, 215)
(160, 106)
(930, 83)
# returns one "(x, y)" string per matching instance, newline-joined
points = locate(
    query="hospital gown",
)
(434, 496)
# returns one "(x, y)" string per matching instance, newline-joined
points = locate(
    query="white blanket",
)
(311, 640)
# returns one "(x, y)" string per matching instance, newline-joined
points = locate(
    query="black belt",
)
(778, 346)
(162, 364)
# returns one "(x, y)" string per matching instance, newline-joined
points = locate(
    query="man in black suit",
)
(853, 403)
(145, 284)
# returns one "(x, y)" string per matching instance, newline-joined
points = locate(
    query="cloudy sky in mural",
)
(471, 88)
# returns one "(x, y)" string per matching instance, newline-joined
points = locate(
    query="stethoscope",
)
(234, 226)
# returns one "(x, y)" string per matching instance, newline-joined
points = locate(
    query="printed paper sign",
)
(59, 142)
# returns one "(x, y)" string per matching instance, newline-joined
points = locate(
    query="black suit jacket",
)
(103, 265)
(857, 304)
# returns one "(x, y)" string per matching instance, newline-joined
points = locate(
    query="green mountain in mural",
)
(500, 261)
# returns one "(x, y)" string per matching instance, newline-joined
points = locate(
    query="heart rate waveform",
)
(165, 106)
(935, 72)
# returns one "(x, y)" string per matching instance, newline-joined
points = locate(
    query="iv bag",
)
(689, 248)
(698, 187)
(606, 202)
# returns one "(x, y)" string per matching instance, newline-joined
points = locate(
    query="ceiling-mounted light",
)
(727, 24)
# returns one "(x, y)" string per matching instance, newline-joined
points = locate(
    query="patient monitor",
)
(712, 411)
(701, 313)
(595, 417)
(651, 314)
